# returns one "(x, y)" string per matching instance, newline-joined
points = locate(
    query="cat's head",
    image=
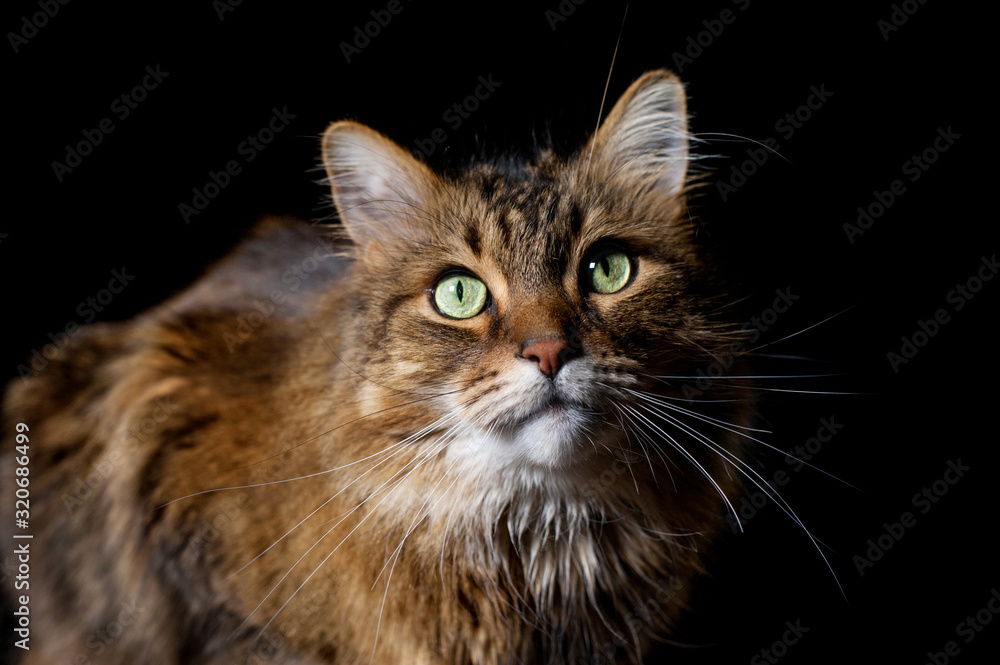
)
(537, 313)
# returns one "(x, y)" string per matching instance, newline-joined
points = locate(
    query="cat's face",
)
(533, 308)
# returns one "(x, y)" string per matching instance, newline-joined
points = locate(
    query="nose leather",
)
(550, 354)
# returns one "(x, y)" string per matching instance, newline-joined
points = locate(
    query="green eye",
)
(607, 271)
(459, 296)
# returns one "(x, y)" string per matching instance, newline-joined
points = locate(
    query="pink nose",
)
(548, 353)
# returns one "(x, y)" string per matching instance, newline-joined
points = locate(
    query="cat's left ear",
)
(380, 191)
(643, 142)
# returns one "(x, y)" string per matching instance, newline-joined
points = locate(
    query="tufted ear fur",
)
(643, 141)
(380, 191)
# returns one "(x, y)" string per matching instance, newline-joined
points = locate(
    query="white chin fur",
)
(536, 438)
(553, 438)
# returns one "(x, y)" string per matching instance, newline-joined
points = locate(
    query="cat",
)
(450, 427)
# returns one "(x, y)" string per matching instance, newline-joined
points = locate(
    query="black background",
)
(783, 229)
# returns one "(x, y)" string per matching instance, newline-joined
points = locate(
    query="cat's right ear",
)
(644, 140)
(380, 191)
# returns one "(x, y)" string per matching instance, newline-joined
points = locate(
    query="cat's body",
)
(400, 480)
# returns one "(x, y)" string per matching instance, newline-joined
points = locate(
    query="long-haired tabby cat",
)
(449, 429)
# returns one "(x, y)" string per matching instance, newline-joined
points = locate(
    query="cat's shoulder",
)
(230, 325)
(283, 260)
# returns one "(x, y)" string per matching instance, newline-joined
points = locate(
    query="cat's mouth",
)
(553, 407)
(551, 434)
(555, 417)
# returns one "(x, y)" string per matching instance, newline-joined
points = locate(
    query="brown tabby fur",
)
(291, 370)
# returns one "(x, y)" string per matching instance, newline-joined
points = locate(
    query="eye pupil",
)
(609, 271)
(459, 296)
